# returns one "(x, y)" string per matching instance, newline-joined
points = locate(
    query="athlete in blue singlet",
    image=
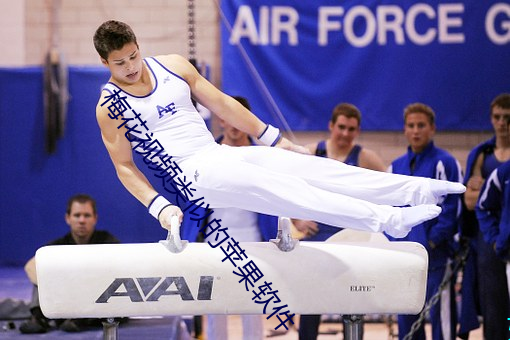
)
(344, 127)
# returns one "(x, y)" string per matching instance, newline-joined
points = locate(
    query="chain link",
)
(459, 263)
(191, 30)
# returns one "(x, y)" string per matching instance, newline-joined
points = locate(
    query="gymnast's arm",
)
(224, 106)
(128, 173)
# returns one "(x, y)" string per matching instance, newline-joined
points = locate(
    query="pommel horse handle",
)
(284, 240)
(173, 240)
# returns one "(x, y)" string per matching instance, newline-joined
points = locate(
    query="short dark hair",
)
(348, 110)
(244, 102)
(420, 108)
(112, 35)
(81, 198)
(503, 101)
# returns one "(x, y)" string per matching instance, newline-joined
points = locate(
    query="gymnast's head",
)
(116, 44)
(112, 36)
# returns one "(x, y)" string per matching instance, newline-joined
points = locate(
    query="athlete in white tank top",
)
(268, 180)
(168, 113)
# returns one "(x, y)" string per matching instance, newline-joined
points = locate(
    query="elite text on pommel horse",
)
(344, 275)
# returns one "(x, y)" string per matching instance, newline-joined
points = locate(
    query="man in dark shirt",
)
(81, 216)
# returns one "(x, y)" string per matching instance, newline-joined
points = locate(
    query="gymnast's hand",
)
(166, 215)
(286, 144)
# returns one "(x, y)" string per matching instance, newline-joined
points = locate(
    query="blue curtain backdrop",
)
(307, 56)
(35, 185)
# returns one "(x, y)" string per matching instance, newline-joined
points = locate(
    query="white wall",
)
(160, 25)
(12, 32)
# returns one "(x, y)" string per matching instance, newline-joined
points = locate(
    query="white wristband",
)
(157, 205)
(270, 136)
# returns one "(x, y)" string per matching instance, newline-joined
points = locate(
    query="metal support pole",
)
(110, 329)
(353, 327)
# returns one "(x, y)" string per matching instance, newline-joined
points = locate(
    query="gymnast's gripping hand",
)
(286, 144)
(166, 215)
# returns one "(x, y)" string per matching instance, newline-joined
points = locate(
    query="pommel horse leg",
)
(110, 329)
(353, 327)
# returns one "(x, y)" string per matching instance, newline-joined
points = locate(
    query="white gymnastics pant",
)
(278, 182)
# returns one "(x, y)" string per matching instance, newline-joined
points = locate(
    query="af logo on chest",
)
(168, 109)
(152, 288)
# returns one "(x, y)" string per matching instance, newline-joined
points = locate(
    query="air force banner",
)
(295, 60)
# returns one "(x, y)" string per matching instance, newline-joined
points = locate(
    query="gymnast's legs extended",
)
(283, 183)
(369, 185)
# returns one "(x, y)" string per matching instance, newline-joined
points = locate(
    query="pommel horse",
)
(349, 275)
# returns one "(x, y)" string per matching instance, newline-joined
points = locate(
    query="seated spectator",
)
(81, 217)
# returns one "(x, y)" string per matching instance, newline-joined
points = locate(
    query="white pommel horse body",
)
(350, 277)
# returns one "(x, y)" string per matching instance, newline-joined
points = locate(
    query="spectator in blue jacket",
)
(493, 211)
(484, 277)
(493, 214)
(424, 159)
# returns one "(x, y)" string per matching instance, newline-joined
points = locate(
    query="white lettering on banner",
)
(284, 19)
(383, 24)
(414, 36)
(446, 21)
(390, 18)
(325, 25)
(490, 21)
(244, 27)
(274, 21)
(371, 27)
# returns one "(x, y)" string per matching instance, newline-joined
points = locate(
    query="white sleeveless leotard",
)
(169, 113)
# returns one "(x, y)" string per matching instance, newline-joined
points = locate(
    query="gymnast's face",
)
(125, 64)
(82, 221)
(419, 131)
(344, 130)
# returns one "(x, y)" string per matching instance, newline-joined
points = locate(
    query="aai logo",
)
(152, 288)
